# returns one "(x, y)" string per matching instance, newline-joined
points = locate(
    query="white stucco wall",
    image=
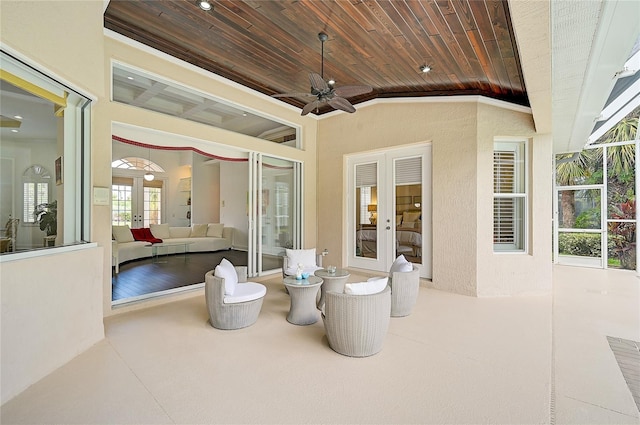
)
(50, 315)
(501, 274)
(461, 131)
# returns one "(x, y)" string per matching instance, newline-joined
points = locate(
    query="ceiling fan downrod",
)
(322, 37)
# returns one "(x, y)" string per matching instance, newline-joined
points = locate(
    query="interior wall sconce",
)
(372, 208)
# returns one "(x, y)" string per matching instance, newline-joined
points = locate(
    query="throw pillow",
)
(215, 230)
(410, 217)
(226, 271)
(306, 257)
(400, 265)
(199, 230)
(160, 231)
(372, 286)
(138, 234)
(122, 234)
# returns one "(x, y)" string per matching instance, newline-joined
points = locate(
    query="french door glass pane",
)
(408, 208)
(366, 208)
(121, 205)
(152, 205)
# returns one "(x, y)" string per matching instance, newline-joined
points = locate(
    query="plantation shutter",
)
(504, 208)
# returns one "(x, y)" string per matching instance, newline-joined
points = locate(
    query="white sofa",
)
(202, 238)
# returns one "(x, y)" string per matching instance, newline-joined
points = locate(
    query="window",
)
(45, 157)
(148, 91)
(36, 191)
(509, 197)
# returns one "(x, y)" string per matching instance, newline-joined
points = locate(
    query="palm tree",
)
(572, 169)
(621, 159)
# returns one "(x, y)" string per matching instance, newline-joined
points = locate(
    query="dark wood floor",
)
(141, 277)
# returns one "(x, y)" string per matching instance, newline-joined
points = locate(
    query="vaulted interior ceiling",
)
(272, 46)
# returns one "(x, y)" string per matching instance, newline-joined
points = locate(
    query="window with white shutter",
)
(509, 197)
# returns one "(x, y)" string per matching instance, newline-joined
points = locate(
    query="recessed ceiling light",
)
(204, 5)
(244, 114)
(425, 68)
(14, 130)
(18, 117)
(129, 77)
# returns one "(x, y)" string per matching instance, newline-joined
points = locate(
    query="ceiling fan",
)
(325, 92)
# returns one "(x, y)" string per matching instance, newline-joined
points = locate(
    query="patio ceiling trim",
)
(616, 30)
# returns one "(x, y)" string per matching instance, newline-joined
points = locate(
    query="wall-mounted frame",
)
(417, 199)
(402, 200)
(59, 170)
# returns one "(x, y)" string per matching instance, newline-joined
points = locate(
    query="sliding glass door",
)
(275, 211)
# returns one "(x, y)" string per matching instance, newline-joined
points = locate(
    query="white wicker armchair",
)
(356, 325)
(404, 291)
(234, 315)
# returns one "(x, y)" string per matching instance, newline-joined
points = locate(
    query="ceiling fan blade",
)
(342, 104)
(293, 95)
(350, 91)
(310, 107)
(317, 82)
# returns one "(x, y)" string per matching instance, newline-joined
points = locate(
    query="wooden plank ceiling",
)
(272, 45)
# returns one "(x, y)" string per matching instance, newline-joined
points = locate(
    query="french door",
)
(389, 208)
(136, 201)
(275, 211)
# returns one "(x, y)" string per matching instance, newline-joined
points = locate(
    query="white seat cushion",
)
(226, 271)
(372, 286)
(244, 292)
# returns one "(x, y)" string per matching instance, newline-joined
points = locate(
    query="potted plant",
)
(46, 215)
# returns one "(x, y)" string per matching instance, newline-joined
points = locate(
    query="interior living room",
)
(222, 119)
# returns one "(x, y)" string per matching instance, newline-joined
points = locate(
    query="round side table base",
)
(302, 323)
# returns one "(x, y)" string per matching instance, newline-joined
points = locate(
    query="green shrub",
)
(582, 244)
